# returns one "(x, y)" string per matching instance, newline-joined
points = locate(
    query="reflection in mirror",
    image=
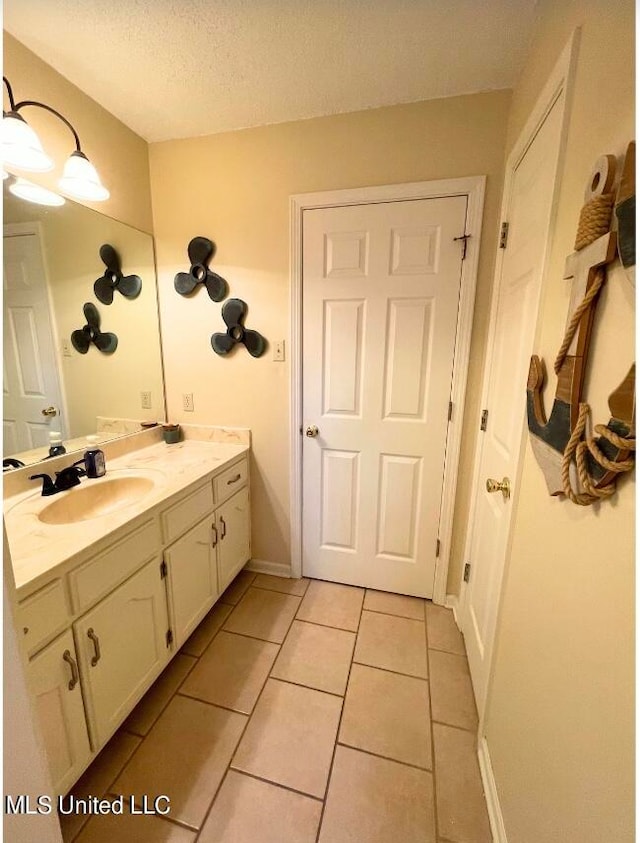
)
(51, 263)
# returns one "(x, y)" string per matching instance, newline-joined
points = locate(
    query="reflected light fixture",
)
(24, 189)
(21, 148)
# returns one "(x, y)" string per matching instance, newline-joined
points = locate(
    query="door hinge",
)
(169, 638)
(467, 571)
(450, 415)
(163, 569)
(464, 238)
(504, 235)
(483, 419)
(437, 547)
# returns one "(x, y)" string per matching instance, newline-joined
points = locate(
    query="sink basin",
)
(94, 498)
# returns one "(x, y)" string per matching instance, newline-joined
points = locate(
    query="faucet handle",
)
(48, 487)
(68, 477)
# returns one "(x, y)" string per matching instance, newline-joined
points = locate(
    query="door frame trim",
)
(558, 85)
(473, 187)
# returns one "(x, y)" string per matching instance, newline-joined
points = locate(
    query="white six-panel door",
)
(31, 382)
(381, 285)
(518, 291)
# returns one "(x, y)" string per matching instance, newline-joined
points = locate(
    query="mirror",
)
(51, 262)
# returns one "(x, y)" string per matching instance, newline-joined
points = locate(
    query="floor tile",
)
(452, 699)
(374, 800)
(442, 632)
(96, 779)
(108, 828)
(150, 707)
(287, 585)
(387, 714)
(462, 811)
(392, 643)
(185, 756)
(233, 593)
(290, 737)
(332, 604)
(203, 635)
(263, 614)
(232, 672)
(394, 604)
(247, 810)
(316, 656)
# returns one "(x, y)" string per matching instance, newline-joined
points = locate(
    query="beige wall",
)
(120, 156)
(560, 725)
(234, 188)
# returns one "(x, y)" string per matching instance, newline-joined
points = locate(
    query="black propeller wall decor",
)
(91, 333)
(113, 279)
(233, 313)
(200, 251)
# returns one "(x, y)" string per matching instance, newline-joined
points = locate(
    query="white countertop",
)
(38, 548)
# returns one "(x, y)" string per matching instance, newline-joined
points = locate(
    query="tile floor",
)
(301, 712)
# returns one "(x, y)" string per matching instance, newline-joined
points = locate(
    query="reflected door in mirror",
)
(32, 396)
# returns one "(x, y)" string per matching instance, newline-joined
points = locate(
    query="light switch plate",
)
(278, 351)
(66, 348)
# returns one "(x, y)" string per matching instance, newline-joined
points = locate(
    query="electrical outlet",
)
(66, 348)
(187, 402)
(278, 351)
(145, 400)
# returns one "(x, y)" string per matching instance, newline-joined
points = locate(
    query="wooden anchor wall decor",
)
(582, 467)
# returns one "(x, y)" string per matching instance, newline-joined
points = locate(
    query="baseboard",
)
(491, 793)
(451, 602)
(262, 566)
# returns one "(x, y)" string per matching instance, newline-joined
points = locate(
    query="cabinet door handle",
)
(214, 531)
(224, 527)
(74, 669)
(96, 644)
(234, 480)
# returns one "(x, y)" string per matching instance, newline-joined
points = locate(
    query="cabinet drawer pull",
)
(234, 479)
(74, 669)
(224, 527)
(96, 644)
(214, 530)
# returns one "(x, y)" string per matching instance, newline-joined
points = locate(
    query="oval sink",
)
(96, 498)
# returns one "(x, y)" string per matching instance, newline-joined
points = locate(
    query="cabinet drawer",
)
(43, 615)
(177, 519)
(102, 574)
(228, 483)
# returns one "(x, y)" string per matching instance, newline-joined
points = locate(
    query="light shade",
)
(21, 146)
(80, 179)
(34, 193)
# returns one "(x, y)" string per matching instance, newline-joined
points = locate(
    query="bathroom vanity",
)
(112, 577)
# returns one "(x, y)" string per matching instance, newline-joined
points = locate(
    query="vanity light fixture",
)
(21, 148)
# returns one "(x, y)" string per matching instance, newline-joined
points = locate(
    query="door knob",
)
(312, 431)
(499, 486)
(50, 411)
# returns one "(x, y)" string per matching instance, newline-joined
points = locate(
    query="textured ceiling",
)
(180, 68)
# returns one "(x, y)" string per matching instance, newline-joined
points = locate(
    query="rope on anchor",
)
(577, 447)
(594, 221)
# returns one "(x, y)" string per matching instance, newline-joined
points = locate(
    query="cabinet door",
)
(53, 677)
(193, 579)
(234, 531)
(122, 647)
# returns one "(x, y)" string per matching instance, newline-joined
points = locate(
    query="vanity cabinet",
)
(100, 630)
(193, 577)
(122, 647)
(234, 536)
(55, 685)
